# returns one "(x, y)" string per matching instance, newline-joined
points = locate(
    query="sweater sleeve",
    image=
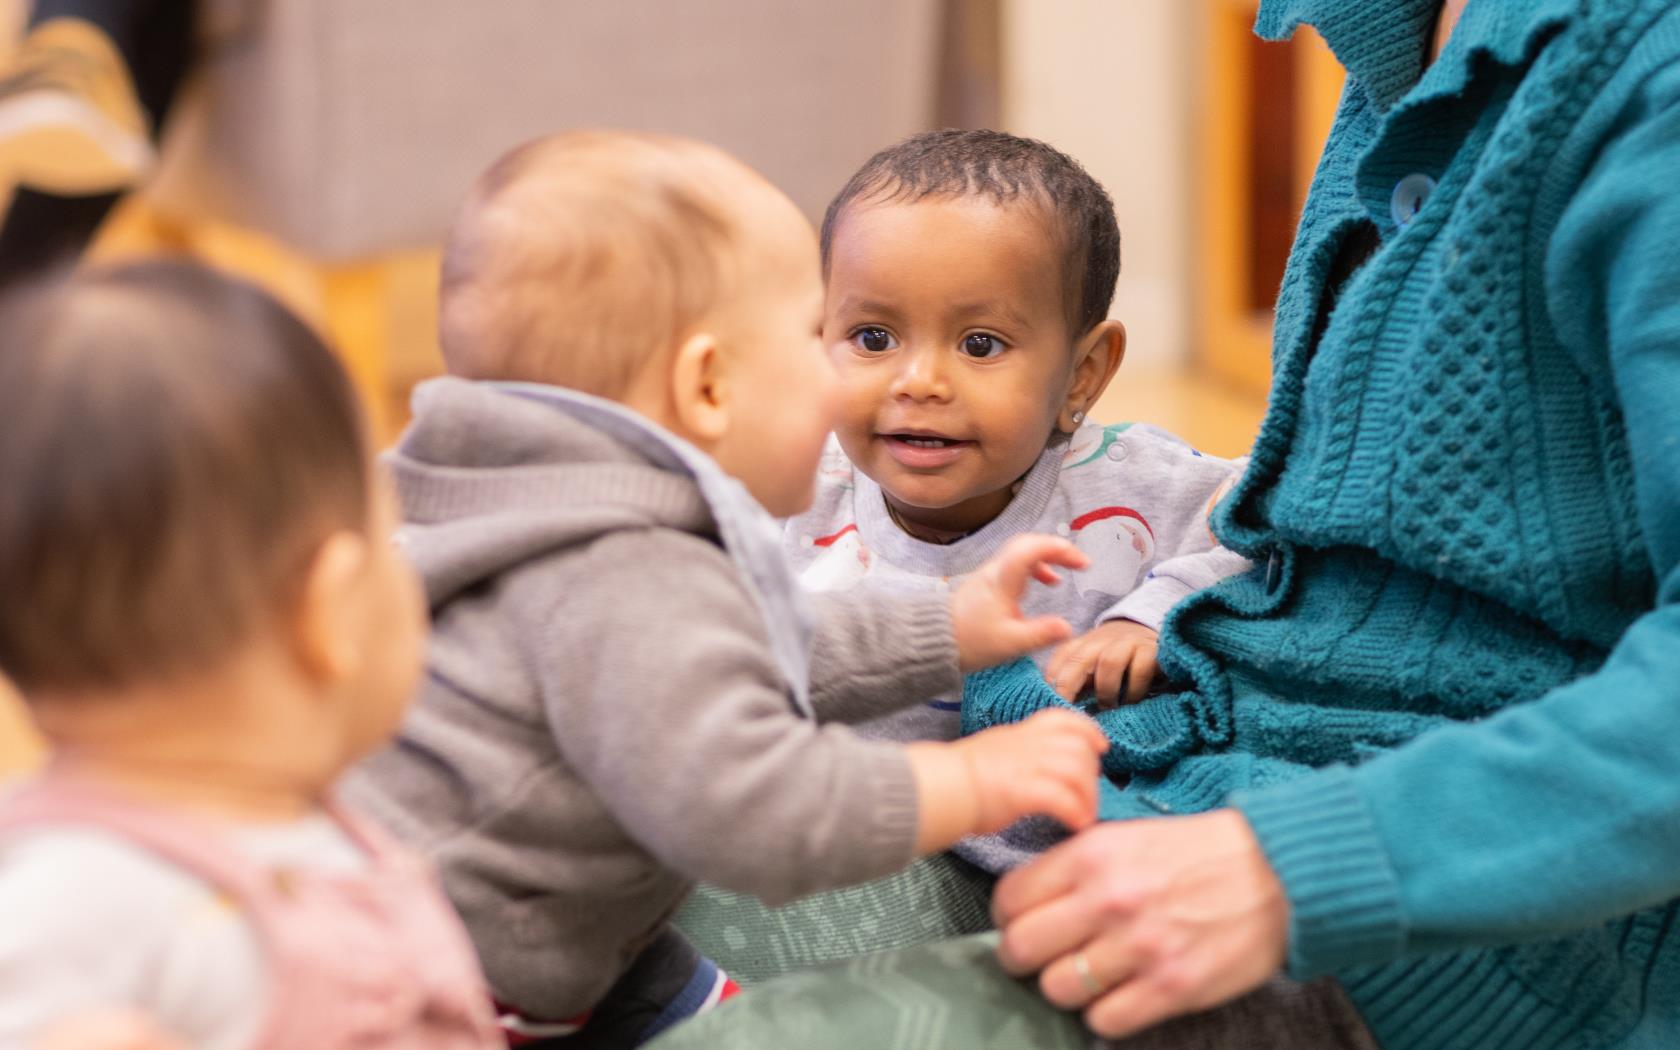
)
(1556, 814)
(669, 704)
(875, 652)
(1184, 486)
(1174, 580)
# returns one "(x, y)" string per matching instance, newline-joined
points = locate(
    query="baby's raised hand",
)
(1045, 764)
(986, 607)
(1116, 659)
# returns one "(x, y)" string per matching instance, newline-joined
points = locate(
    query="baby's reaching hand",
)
(1045, 764)
(986, 608)
(1117, 660)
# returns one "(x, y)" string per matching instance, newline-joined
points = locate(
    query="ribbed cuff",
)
(1149, 735)
(904, 654)
(1344, 896)
(926, 663)
(1149, 603)
(888, 841)
(916, 658)
(1006, 694)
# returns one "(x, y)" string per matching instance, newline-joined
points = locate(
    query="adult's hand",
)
(1138, 921)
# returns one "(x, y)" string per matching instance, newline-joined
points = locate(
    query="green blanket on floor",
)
(895, 1001)
(934, 899)
(832, 951)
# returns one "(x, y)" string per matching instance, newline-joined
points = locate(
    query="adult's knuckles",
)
(1120, 897)
(1174, 979)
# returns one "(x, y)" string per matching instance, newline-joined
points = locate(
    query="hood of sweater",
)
(488, 480)
(493, 475)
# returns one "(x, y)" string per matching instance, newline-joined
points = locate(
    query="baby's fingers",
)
(1069, 799)
(1070, 725)
(1070, 668)
(1142, 676)
(1033, 555)
(1045, 574)
(1112, 674)
(1058, 660)
(1030, 635)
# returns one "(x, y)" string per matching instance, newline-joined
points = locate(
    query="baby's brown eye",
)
(874, 340)
(982, 345)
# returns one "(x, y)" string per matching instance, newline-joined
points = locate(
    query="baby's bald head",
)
(580, 258)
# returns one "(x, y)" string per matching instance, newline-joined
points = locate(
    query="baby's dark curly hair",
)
(1005, 168)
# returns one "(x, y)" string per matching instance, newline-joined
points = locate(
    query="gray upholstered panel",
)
(351, 127)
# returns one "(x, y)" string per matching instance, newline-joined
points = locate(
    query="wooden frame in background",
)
(1266, 112)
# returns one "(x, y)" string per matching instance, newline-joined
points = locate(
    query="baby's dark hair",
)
(174, 445)
(1004, 168)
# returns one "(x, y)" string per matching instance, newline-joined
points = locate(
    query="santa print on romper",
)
(1119, 542)
(843, 563)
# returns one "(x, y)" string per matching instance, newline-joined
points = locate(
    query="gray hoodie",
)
(603, 721)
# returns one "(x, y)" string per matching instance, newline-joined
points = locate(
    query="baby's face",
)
(946, 323)
(783, 403)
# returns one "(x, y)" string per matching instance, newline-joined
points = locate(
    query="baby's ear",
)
(320, 623)
(1096, 358)
(700, 400)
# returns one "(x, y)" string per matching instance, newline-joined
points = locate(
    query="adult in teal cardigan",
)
(1432, 742)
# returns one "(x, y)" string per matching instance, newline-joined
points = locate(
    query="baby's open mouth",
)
(924, 450)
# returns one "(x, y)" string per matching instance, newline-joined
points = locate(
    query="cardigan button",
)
(1410, 193)
(1274, 571)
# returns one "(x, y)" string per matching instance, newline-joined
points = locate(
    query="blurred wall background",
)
(1113, 84)
(323, 144)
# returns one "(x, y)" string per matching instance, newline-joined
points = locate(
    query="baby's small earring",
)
(1078, 418)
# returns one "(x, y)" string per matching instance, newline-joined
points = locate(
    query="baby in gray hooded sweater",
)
(625, 691)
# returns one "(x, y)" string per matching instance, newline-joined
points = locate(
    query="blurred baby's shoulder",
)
(1126, 445)
(94, 918)
(65, 885)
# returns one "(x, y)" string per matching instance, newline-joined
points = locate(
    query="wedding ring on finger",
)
(1082, 967)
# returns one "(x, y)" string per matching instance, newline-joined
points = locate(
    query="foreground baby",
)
(206, 618)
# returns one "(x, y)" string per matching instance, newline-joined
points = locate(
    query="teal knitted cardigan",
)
(1448, 697)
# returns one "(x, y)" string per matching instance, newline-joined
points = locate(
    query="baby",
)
(625, 693)
(969, 277)
(205, 615)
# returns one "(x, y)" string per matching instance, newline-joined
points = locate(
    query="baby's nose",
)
(922, 375)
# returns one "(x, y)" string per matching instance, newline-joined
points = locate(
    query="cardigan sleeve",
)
(1559, 813)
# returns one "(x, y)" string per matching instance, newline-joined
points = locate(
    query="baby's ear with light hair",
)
(699, 392)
